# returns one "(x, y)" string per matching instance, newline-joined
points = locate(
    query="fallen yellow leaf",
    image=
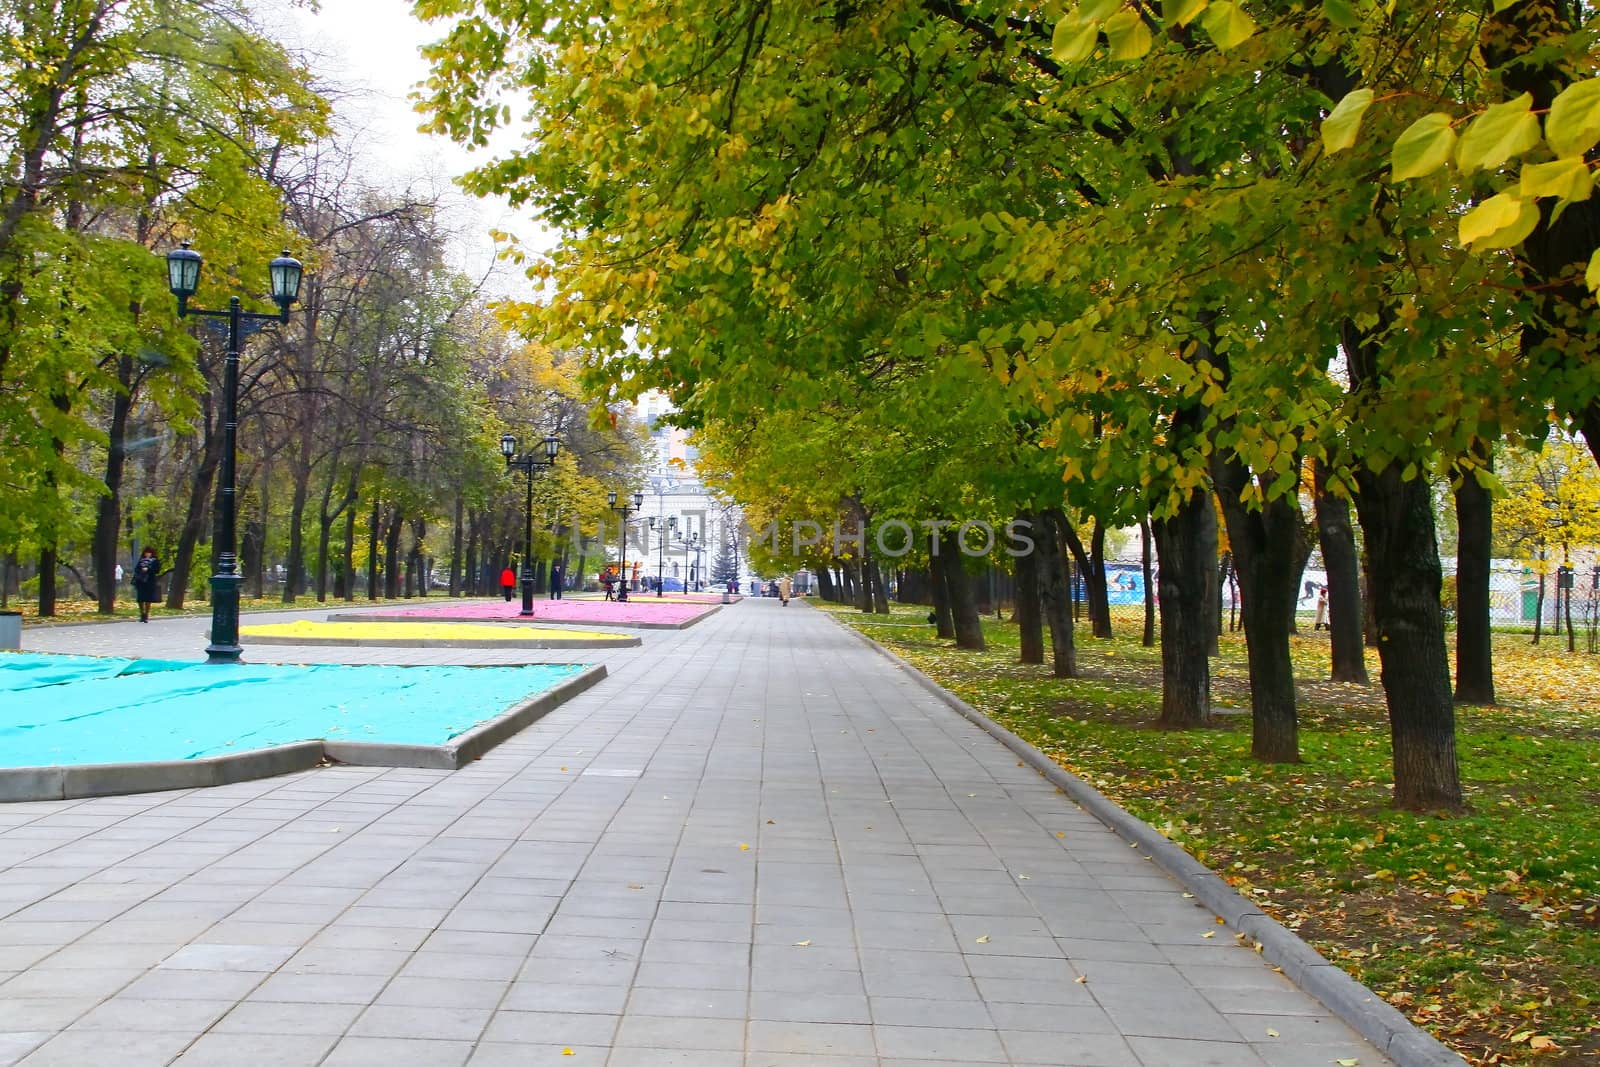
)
(802, 944)
(984, 940)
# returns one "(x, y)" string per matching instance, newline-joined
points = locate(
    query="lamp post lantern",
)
(638, 502)
(527, 463)
(183, 278)
(664, 527)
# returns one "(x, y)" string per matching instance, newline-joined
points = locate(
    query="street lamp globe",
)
(508, 445)
(638, 500)
(611, 499)
(183, 275)
(552, 446)
(284, 273)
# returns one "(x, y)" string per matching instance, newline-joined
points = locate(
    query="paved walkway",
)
(756, 844)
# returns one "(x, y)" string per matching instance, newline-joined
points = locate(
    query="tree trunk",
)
(1147, 558)
(958, 590)
(373, 524)
(1339, 558)
(943, 618)
(880, 595)
(1030, 622)
(1266, 551)
(198, 511)
(1185, 625)
(1474, 549)
(108, 509)
(1403, 557)
(825, 585)
(47, 582)
(1092, 566)
(1538, 603)
(295, 564)
(391, 556)
(1055, 592)
(457, 544)
(1213, 578)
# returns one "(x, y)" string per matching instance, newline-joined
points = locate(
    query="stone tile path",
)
(756, 844)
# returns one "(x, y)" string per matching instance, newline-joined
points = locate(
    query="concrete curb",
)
(112, 779)
(620, 641)
(1365, 1012)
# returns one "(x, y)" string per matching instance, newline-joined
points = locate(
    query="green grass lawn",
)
(1483, 927)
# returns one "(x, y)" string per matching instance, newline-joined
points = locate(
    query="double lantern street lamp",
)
(527, 463)
(694, 544)
(638, 502)
(183, 278)
(665, 527)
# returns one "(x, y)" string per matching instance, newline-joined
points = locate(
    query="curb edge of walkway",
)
(1367, 1013)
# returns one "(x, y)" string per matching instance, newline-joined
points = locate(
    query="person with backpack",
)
(147, 581)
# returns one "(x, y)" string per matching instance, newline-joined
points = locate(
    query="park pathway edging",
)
(1367, 1013)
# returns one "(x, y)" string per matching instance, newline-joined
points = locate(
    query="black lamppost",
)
(638, 502)
(697, 543)
(183, 278)
(664, 527)
(527, 463)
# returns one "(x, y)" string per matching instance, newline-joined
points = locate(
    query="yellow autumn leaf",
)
(1501, 221)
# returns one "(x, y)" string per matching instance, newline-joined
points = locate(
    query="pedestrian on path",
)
(556, 578)
(784, 585)
(508, 583)
(147, 582)
(605, 583)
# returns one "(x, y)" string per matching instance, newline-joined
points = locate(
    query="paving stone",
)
(256, 1050)
(126, 1048)
(535, 902)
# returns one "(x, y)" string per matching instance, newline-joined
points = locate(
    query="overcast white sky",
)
(371, 46)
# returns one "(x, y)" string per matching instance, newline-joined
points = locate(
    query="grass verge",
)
(1484, 928)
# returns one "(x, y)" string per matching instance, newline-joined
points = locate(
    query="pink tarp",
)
(643, 610)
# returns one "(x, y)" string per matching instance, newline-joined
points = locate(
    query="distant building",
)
(673, 489)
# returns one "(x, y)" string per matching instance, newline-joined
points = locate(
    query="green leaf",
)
(1501, 221)
(1342, 13)
(1127, 34)
(1591, 277)
(1182, 12)
(1096, 10)
(1424, 147)
(1569, 179)
(1502, 131)
(1340, 127)
(1073, 42)
(1501, 5)
(1227, 24)
(1573, 125)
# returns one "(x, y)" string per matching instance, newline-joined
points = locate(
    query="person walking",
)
(784, 586)
(147, 581)
(508, 583)
(605, 582)
(556, 578)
